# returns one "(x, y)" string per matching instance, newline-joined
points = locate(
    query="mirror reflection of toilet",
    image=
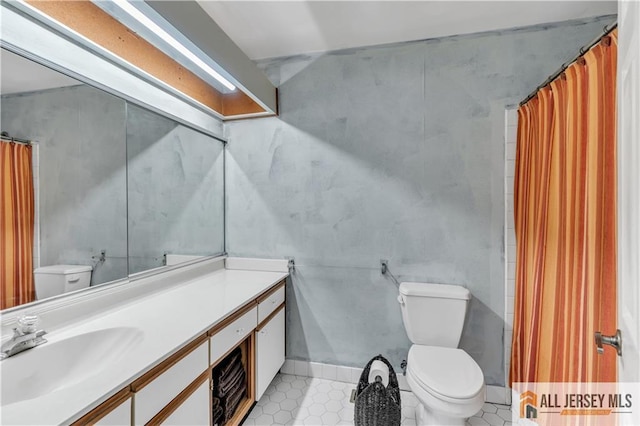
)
(448, 383)
(58, 279)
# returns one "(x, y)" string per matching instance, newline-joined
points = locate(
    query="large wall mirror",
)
(175, 191)
(116, 187)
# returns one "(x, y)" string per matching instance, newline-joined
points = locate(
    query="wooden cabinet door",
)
(269, 351)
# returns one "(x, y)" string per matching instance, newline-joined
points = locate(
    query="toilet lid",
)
(450, 372)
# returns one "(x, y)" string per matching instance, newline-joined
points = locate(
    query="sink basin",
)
(57, 365)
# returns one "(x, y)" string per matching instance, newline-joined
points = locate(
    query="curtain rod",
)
(5, 137)
(605, 31)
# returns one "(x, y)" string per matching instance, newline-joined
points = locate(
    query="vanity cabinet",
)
(269, 350)
(178, 391)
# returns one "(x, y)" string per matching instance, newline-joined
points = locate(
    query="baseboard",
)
(402, 382)
(498, 395)
(340, 373)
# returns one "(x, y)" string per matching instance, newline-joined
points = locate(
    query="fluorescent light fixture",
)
(149, 24)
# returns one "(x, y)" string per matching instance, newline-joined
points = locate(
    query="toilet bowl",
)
(447, 382)
(53, 280)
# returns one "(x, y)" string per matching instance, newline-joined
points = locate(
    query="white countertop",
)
(168, 320)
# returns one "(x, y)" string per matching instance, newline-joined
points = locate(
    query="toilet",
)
(447, 382)
(58, 279)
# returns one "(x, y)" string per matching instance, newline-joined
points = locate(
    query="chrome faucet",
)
(25, 336)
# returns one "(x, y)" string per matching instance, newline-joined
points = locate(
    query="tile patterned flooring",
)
(297, 400)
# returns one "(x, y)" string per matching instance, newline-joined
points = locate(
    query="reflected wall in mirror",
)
(175, 190)
(116, 187)
(78, 168)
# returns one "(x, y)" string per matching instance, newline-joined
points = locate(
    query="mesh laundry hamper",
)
(377, 405)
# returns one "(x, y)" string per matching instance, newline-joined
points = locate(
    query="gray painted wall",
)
(389, 152)
(83, 208)
(175, 190)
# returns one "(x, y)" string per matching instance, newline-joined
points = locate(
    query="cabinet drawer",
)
(121, 415)
(194, 410)
(270, 304)
(154, 396)
(232, 334)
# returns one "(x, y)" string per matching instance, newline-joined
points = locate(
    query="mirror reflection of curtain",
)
(16, 224)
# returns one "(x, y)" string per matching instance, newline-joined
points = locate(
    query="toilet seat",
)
(449, 374)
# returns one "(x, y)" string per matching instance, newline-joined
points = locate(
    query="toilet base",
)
(425, 417)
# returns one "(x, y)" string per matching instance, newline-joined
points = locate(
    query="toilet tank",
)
(57, 279)
(433, 314)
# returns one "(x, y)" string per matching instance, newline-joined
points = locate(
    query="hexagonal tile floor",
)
(296, 400)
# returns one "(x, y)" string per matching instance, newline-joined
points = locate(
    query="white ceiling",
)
(268, 29)
(18, 75)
